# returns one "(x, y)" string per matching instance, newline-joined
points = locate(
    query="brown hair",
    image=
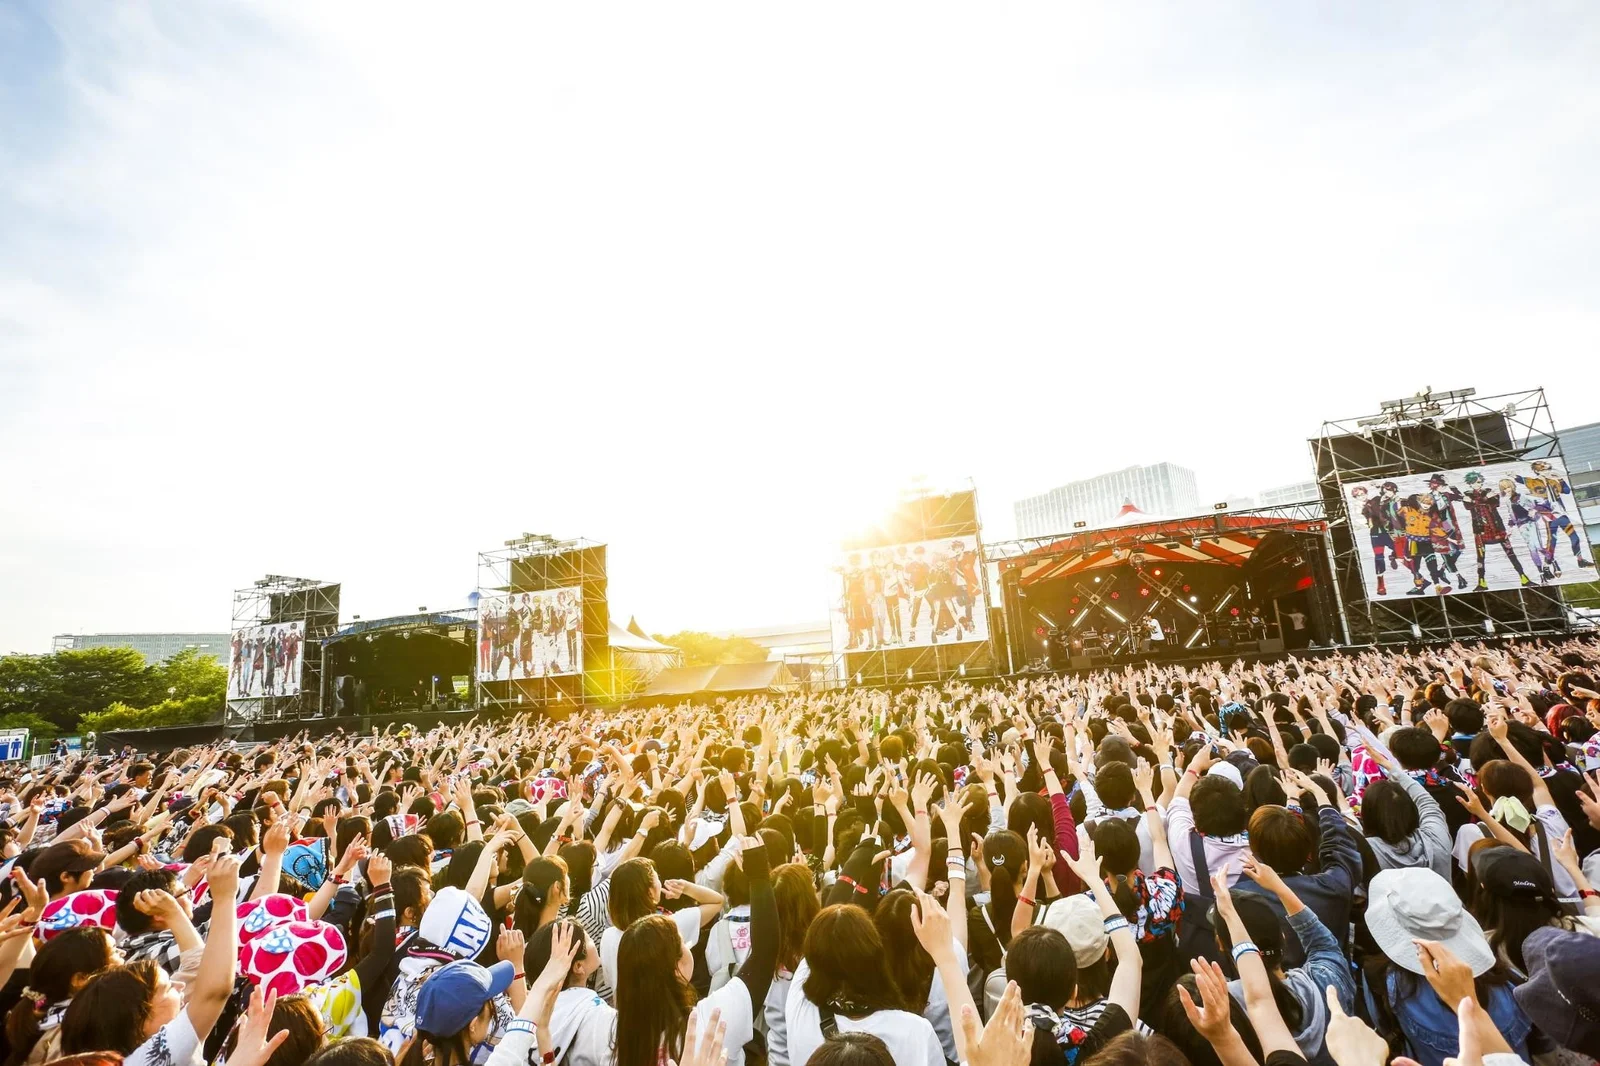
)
(652, 998)
(795, 893)
(1136, 1049)
(848, 968)
(304, 1025)
(70, 954)
(111, 1012)
(1279, 838)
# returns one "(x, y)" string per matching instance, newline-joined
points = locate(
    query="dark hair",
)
(1388, 812)
(446, 829)
(130, 918)
(110, 1013)
(1173, 1021)
(1218, 806)
(246, 830)
(72, 953)
(1117, 843)
(303, 1022)
(1042, 963)
(845, 1048)
(458, 871)
(198, 846)
(1466, 716)
(1415, 748)
(1114, 783)
(652, 998)
(538, 878)
(795, 894)
(1262, 788)
(411, 885)
(1265, 928)
(848, 968)
(537, 952)
(1507, 922)
(1136, 1049)
(352, 1051)
(1006, 855)
(910, 965)
(413, 849)
(631, 896)
(1032, 810)
(579, 857)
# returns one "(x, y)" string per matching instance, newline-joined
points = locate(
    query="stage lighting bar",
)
(1227, 598)
(1194, 637)
(1097, 600)
(1079, 620)
(1046, 619)
(1165, 589)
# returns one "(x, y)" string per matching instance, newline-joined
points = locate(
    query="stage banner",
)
(1476, 529)
(522, 635)
(910, 595)
(265, 660)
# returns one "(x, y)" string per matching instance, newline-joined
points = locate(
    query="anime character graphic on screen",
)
(1488, 526)
(571, 624)
(1385, 528)
(1550, 512)
(1429, 543)
(1445, 526)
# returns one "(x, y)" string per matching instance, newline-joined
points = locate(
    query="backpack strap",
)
(827, 1021)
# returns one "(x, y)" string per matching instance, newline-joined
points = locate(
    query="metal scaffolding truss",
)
(535, 562)
(1425, 433)
(274, 599)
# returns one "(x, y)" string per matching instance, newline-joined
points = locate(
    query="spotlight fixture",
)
(1156, 571)
(1144, 592)
(1079, 525)
(1116, 595)
(1097, 580)
(1194, 599)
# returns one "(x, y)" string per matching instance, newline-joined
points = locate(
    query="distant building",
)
(1580, 447)
(1237, 503)
(1161, 489)
(155, 647)
(1299, 492)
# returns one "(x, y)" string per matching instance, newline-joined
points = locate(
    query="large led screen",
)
(910, 595)
(266, 660)
(522, 635)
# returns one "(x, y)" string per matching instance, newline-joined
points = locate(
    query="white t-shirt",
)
(738, 1013)
(688, 922)
(175, 1044)
(1555, 827)
(910, 1037)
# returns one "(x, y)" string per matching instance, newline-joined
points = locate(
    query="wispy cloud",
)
(356, 290)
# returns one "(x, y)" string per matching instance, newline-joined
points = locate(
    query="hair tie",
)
(38, 998)
(1510, 811)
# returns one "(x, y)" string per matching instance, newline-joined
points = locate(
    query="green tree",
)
(64, 686)
(703, 649)
(190, 673)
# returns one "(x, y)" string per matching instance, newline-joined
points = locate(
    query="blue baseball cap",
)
(455, 993)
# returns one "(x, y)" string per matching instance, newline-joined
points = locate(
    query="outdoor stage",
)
(1152, 588)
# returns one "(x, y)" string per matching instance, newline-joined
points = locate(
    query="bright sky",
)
(354, 291)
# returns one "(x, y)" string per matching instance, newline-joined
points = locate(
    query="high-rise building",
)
(155, 647)
(1299, 492)
(1162, 489)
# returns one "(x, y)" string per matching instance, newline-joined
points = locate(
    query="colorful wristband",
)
(1246, 948)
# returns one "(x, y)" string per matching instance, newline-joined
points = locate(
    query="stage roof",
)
(432, 620)
(627, 640)
(718, 680)
(1221, 538)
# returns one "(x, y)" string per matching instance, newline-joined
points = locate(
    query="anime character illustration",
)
(1488, 526)
(1385, 528)
(1546, 492)
(1425, 536)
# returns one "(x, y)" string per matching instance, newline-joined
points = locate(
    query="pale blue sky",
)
(357, 290)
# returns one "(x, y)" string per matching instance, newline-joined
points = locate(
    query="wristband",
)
(519, 1025)
(1167, 766)
(1588, 893)
(1115, 923)
(519, 977)
(1024, 899)
(1246, 948)
(846, 879)
(473, 821)
(952, 875)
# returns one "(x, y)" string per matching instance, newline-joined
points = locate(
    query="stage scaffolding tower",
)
(537, 562)
(1428, 433)
(274, 599)
(923, 514)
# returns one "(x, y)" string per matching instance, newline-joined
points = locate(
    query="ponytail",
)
(1126, 899)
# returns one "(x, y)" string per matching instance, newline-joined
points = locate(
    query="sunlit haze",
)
(354, 291)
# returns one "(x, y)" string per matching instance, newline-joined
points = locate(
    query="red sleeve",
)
(1066, 843)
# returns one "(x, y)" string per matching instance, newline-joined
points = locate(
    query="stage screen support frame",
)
(537, 562)
(1434, 432)
(273, 599)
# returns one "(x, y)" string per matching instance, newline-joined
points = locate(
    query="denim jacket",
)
(1432, 1030)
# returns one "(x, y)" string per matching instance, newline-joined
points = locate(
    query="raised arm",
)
(1125, 983)
(1271, 1031)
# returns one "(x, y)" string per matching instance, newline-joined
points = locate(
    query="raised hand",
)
(1262, 874)
(1211, 1017)
(1351, 1041)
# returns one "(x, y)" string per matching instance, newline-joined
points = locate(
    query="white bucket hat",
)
(1418, 904)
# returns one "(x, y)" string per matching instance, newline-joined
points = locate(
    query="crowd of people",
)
(1348, 860)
